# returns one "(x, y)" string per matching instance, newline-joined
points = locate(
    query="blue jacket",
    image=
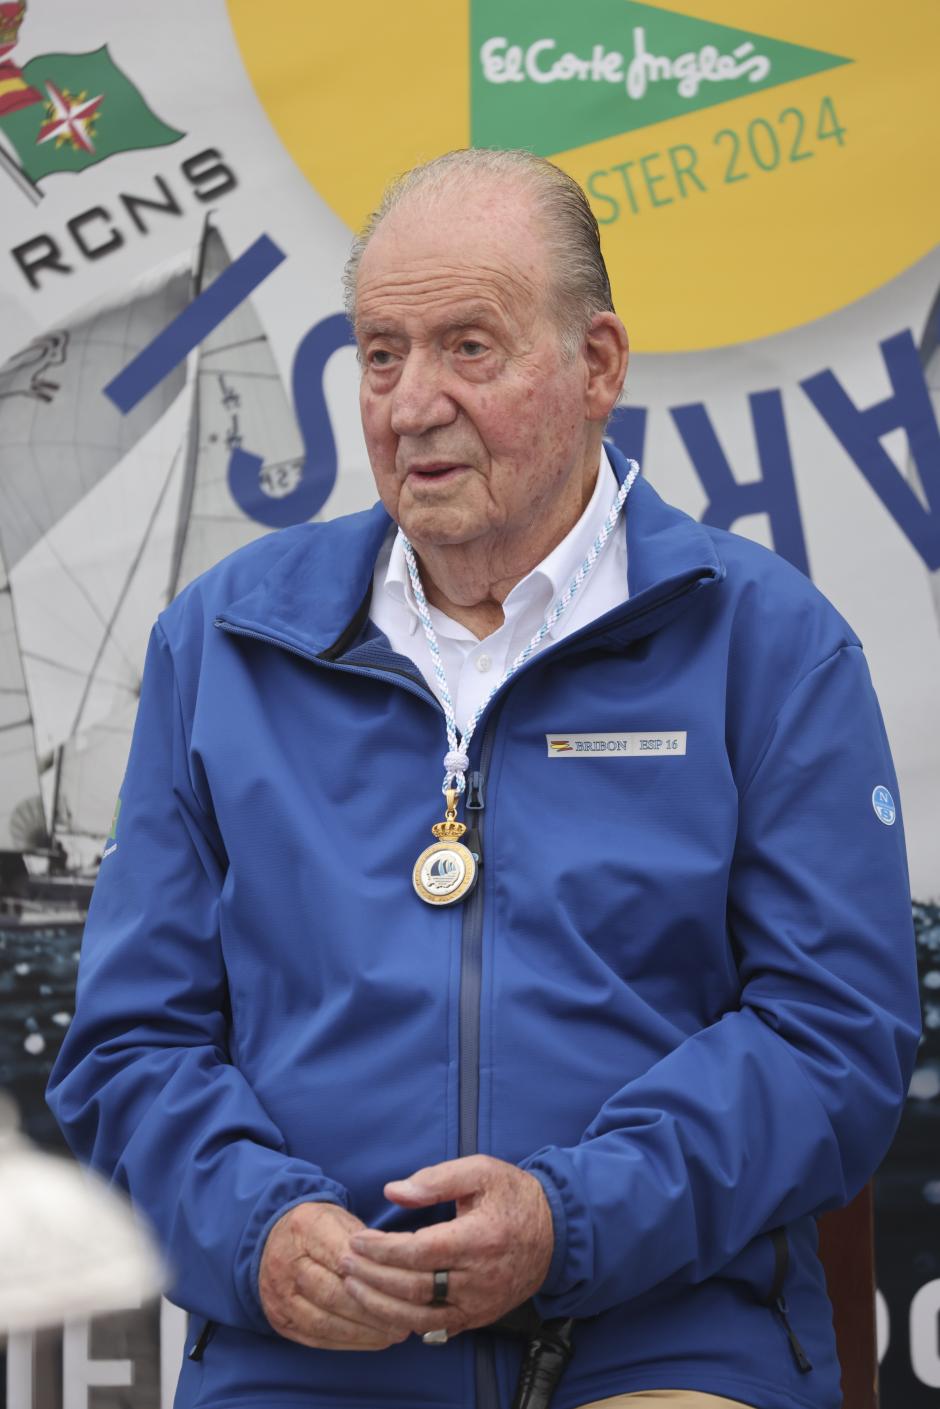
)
(683, 993)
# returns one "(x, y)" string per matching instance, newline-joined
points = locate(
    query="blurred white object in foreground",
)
(69, 1245)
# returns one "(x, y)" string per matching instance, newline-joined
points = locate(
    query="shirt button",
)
(483, 664)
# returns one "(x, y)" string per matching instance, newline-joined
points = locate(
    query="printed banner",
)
(177, 377)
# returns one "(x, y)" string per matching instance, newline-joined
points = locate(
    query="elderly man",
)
(644, 1005)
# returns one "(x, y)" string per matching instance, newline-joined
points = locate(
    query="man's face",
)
(474, 418)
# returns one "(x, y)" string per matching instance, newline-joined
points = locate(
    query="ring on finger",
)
(440, 1289)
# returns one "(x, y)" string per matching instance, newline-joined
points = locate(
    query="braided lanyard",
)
(433, 869)
(456, 760)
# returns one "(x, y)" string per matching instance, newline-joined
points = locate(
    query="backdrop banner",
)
(178, 187)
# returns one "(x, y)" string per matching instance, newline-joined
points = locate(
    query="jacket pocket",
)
(776, 1299)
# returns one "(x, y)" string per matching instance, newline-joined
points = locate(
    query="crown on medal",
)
(449, 830)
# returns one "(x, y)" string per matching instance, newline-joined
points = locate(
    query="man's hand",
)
(497, 1250)
(302, 1293)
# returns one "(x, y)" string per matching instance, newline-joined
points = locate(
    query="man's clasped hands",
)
(328, 1281)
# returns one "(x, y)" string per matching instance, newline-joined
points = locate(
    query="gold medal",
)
(446, 870)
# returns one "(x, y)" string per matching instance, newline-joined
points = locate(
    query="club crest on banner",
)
(66, 112)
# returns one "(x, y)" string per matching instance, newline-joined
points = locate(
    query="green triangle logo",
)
(550, 75)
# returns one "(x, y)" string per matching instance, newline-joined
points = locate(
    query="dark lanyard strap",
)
(543, 1363)
(547, 1352)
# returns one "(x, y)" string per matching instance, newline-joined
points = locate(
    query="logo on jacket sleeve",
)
(631, 745)
(883, 803)
(111, 838)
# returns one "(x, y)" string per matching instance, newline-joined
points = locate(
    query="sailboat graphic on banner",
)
(58, 443)
(104, 517)
(61, 440)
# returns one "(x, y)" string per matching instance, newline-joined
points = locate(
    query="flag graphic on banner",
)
(15, 92)
(84, 110)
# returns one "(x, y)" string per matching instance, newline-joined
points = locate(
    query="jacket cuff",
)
(294, 1186)
(572, 1253)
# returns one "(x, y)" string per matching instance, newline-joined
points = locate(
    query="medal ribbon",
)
(457, 759)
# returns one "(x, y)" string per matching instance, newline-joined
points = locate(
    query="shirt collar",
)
(546, 581)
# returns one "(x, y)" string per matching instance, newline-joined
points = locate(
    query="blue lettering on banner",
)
(320, 461)
(189, 328)
(859, 431)
(197, 320)
(774, 494)
(908, 408)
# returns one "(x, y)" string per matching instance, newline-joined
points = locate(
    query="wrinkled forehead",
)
(485, 240)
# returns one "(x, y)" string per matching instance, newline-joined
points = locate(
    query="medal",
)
(446, 870)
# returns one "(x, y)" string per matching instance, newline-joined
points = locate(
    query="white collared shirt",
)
(473, 666)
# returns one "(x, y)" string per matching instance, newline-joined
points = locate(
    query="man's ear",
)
(606, 351)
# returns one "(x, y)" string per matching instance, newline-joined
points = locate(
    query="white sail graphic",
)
(59, 437)
(91, 761)
(91, 768)
(237, 398)
(59, 433)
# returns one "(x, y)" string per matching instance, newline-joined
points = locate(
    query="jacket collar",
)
(317, 595)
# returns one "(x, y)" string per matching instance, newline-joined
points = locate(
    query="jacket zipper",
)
(471, 966)
(471, 980)
(778, 1302)
(202, 1340)
(803, 1363)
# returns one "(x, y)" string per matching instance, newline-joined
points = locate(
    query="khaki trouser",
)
(666, 1399)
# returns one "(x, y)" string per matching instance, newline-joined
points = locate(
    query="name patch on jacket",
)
(635, 745)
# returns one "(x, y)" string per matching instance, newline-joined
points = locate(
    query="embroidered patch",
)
(883, 803)
(633, 745)
(111, 838)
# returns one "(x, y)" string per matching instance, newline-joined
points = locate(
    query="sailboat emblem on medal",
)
(446, 870)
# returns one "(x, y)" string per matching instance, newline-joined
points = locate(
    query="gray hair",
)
(580, 286)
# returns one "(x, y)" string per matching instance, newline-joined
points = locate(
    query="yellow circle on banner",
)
(735, 221)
